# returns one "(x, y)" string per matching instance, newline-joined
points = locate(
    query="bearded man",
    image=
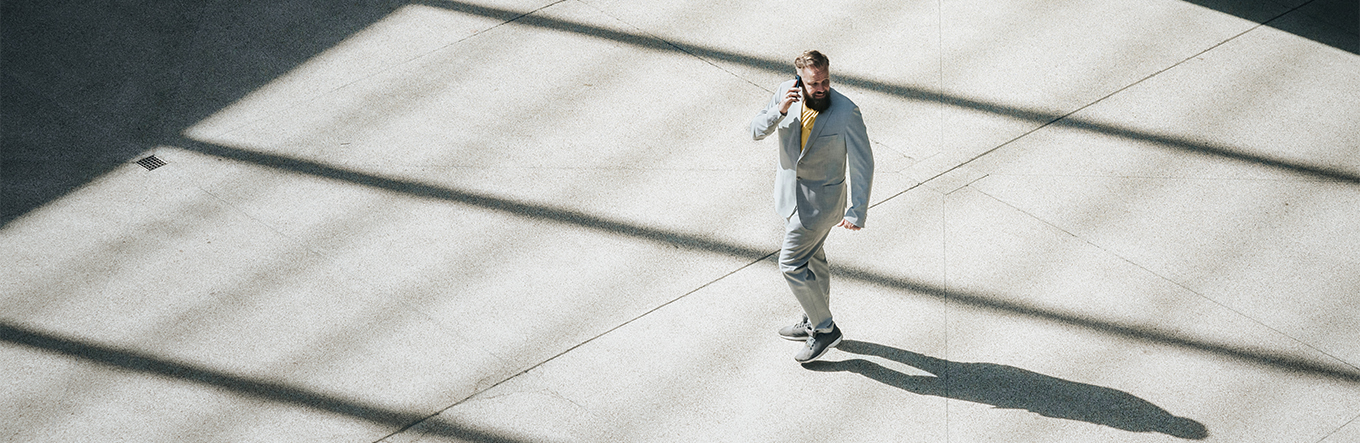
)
(825, 173)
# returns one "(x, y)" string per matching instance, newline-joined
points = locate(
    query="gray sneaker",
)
(819, 344)
(796, 332)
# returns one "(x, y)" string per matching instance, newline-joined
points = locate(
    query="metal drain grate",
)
(151, 163)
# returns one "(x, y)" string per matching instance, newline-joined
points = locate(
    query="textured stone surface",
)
(545, 221)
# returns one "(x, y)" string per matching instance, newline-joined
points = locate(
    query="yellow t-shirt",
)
(809, 117)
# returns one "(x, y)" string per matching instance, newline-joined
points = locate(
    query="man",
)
(821, 141)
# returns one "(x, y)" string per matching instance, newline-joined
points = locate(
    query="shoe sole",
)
(792, 338)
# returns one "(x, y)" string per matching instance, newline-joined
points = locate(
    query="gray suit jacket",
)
(812, 181)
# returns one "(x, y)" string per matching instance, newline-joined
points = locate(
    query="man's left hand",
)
(847, 225)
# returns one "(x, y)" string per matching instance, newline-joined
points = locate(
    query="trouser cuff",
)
(825, 326)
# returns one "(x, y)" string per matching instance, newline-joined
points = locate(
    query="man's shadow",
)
(1014, 388)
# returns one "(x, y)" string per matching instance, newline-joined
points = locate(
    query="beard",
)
(817, 104)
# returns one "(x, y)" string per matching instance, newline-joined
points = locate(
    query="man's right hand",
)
(793, 95)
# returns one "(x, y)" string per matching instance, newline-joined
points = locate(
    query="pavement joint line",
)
(1352, 421)
(674, 45)
(948, 308)
(939, 78)
(237, 209)
(968, 185)
(602, 334)
(1167, 178)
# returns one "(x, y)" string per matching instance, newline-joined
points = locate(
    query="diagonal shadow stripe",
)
(138, 362)
(529, 210)
(1340, 371)
(1042, 118)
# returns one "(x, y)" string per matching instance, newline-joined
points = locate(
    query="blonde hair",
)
(811, 58)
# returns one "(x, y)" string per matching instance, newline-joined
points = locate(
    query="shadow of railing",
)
(695, 242)
(142, 363)
(1009, 387)
(1042, 118)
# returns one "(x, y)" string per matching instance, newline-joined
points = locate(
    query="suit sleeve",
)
(767, 121)
(860, 169)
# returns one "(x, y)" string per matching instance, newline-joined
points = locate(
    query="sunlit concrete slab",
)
(546, 221)
(1297, 243)
(1242, 195)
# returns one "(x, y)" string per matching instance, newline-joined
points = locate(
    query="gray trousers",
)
(803, 262)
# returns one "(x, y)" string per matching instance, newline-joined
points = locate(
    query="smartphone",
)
(798, 83)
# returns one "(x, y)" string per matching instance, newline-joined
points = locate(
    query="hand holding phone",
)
(793, 95)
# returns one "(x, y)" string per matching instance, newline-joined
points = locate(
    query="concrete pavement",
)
(426, 221)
